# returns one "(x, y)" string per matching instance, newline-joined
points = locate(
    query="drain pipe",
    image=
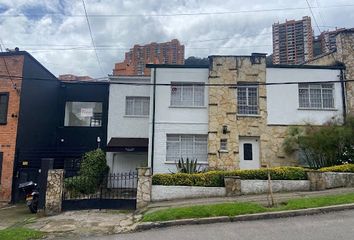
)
(153, 122)
(343, 85)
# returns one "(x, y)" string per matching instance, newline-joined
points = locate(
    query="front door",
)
(249, 153)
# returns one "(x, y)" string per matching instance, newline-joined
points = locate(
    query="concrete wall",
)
(120, 125)
(283, 100)
(126, 161)
(175, 120)
(163, 193)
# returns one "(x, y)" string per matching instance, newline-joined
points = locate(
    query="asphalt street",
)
(336, 225)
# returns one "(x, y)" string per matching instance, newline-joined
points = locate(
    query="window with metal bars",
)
(137, 106)
(316, 96)
(186, 146)
(187, 95)
(247, 100)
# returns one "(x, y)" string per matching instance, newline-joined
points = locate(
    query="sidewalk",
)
(261, 198)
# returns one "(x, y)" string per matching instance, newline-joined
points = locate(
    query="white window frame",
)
(243, 109)
(201, 158)
(183, 86)
(309, 97)
(137, 100)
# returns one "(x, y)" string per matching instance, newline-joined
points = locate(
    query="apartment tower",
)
(292, 41)
(159, 53)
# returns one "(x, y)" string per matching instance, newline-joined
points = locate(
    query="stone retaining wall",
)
(261, 186)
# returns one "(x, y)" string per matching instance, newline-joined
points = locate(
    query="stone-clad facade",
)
(223, 112)
(344, 54)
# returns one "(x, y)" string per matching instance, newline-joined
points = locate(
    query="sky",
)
(57, 34)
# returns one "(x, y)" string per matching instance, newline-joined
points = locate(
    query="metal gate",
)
(117, 191)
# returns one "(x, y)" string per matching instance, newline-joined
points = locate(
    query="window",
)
(247, 100)
(316, 96)
(187, 95)
(4, 102)
(247, 151)
(223, 144)
(137, 106)
(83, 114)
(187, 146)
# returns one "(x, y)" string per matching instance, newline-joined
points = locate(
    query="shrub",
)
(340, 168)
(93, 169)
(322, 146)
(80, 184)
(216, 178)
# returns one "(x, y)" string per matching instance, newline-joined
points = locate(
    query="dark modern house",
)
(45, 122)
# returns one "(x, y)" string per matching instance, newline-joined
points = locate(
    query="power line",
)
(93, 42)
(175, 14)
(232, 85)
(318, 27)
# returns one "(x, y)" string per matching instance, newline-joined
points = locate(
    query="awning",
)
(128, 145)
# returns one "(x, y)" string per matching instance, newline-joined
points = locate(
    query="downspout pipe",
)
(343, 87)
(153, 122)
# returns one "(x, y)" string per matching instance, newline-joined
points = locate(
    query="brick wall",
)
(8, 131)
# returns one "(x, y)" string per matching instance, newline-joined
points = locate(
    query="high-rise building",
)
(159, 53)
(328, 40)
(292, 41)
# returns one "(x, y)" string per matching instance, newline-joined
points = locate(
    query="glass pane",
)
(129, 106)
(304, 98)
(315, 98)
(173, 151)
(87, 114)
(146, 106)
(198, 95)
(327, 96)
(187, 147)
(176, 95)
(247, 151)
(187, 95)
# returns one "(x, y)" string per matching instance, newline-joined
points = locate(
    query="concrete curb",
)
(248, 217)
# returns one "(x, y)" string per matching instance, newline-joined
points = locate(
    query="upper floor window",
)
(187, 146)
(316, 96)
(4, 102)
(187, 95)
(83, 114)
(247, 100)
(137, 106)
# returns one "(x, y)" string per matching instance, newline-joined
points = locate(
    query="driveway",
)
(336, 225)
(15, 214)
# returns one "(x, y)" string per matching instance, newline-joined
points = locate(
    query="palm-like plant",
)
(188, 166)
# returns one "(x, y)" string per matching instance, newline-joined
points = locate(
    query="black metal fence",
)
(115, 191)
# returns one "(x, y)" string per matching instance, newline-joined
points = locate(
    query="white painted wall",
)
(120, 125)
(126, 161)
(173, 120)
(283, 100)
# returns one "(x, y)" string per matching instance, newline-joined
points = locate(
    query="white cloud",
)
(49, 38)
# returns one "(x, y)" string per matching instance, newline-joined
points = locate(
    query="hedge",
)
(339, 168)
(216, 178)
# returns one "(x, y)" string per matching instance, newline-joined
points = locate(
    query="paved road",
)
(337, 225)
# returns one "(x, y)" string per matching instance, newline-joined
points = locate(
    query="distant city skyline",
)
(57, 34)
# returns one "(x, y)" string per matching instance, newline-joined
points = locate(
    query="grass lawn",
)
(19, 233)
(234, 209)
